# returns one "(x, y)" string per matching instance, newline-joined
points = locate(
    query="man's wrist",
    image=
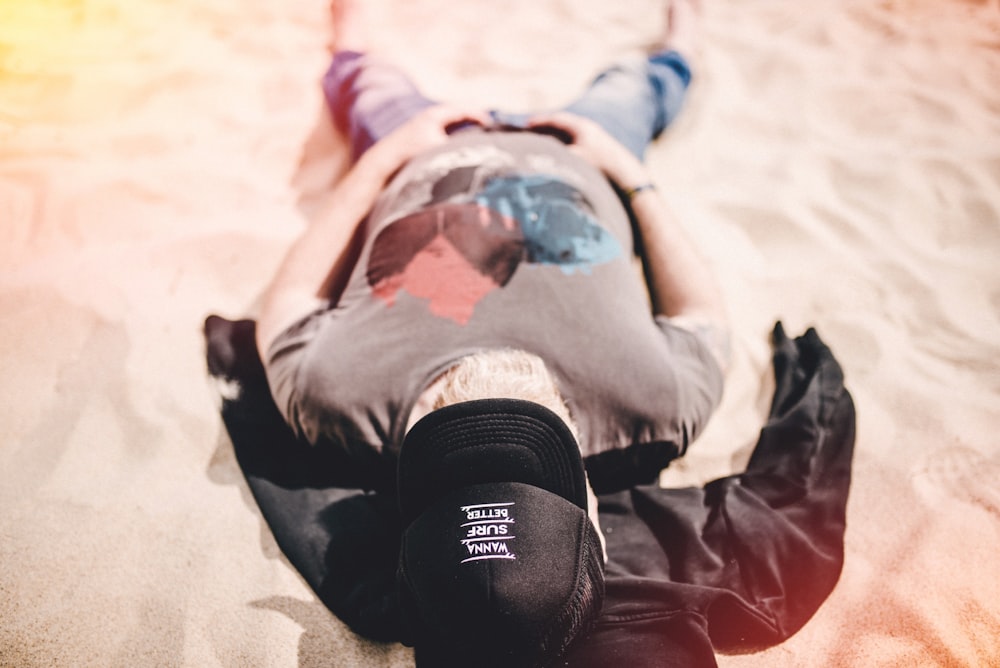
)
(630, 176)
(381, 161)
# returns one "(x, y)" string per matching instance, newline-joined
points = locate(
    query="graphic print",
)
(454, 252)
(488, 532)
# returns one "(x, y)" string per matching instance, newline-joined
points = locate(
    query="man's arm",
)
(680, 284)
(321, 258)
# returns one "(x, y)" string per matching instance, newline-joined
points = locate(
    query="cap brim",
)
(488, 441)
(497, 561)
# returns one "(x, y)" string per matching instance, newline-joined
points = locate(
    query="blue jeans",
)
(633, 101)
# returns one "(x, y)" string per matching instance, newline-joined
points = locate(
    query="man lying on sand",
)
(467, 316)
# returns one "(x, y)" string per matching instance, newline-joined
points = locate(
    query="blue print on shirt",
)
(556, 221)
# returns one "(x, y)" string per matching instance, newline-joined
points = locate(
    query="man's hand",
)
(427, 130)
(593, 143)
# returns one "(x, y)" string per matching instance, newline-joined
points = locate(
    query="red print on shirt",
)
(452, 255)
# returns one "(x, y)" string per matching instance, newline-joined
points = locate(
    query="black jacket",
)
(737, 565)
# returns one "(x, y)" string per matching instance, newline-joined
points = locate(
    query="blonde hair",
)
(503, 373)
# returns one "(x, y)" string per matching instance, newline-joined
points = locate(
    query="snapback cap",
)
(499, 562)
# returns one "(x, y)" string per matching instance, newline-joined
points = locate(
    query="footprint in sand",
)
(963, 474)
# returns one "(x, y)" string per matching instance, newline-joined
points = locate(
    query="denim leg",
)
(635, 101)
(369, 98)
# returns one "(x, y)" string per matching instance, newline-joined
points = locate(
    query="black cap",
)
(499, 564)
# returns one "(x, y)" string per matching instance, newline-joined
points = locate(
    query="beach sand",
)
(838, 163)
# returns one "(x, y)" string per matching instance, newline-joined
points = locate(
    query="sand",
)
(838, 162)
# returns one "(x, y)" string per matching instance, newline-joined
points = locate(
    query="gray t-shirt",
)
(496, 240)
